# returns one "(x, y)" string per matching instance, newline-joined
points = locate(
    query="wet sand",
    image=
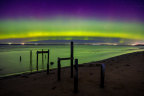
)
(124, 76)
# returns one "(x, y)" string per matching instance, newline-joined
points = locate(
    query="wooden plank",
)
(42, 52)
(65, 58)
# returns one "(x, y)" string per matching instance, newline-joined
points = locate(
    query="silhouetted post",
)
(37, 61)
(102, 75)
(20, 58)
(42, 60)
(76, 77)
(48, 63)
(72, 59)
(31, 60)
(59, 70)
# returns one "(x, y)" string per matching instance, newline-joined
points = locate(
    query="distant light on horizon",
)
(137, 43)
(36, 43)
(9, 43)
(22, 43)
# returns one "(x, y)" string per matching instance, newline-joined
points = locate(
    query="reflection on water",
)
(16, 58)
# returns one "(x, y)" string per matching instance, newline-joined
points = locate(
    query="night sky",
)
(34, 20)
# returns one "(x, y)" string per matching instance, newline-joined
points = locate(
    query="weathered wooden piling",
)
(31, 61)
(37, 61)
(72, 57)
(59, 70)
(69, 58)
(42, 52)
(48, 62)
(76, 77)
(20, 58)
(102, 75)
(59, 66)
(42, 60)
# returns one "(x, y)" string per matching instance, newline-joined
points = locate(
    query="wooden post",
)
(31, 60)
(72, 57)
(102, 75)
(20, 59)
(76, 77)
(37, 61)
(59, 70)
(48, 63)
(42, 60)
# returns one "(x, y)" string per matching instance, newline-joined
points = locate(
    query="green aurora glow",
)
(11, 29)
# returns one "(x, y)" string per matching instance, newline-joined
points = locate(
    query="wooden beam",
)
(48, 62)
(72, 57)
(31, 61)
(76, 77)
(65, 58)
(59, 70)
(42, 52)
(102, 75)
(42, 60)
(37, 61)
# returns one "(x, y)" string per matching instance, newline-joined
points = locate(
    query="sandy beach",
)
(124, 76)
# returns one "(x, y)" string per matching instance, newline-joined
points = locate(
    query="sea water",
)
(10, 62)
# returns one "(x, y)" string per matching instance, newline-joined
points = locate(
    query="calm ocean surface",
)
(10, 55)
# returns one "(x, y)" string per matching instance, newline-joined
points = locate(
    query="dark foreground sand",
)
(124, 77)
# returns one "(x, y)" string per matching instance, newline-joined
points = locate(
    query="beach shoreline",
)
(124, 76)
